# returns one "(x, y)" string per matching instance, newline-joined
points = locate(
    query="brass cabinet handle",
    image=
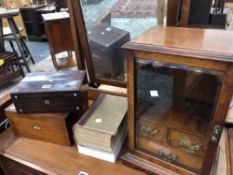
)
(216, 134)
(189, 146)
(168, 157)
(38, 128)
(149, 132)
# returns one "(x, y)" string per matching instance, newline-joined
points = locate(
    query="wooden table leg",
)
(15, 33)
(27, 50)
(2, 48)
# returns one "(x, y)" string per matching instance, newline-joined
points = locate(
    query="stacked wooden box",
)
(46, 105)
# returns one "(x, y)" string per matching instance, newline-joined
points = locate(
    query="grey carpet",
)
(39, 50)
(134, 9)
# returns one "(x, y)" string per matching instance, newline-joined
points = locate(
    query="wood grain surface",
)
(200, 43)
(54, 159)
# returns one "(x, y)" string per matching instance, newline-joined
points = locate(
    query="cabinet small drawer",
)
(170, 154)
(189, 143)
(151, 130)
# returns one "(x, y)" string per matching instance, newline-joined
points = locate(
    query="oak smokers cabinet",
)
(180, 84)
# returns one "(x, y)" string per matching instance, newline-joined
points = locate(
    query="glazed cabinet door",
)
(175, 107)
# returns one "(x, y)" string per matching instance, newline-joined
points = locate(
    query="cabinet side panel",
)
(219, 118)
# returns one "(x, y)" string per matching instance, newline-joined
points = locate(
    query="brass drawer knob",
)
(38, 128)
(149, 132)
(167, 157)
(189, 146)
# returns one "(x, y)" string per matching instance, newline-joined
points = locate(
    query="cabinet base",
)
(145, 165)
(155, 169)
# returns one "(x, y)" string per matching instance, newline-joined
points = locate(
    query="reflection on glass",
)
(174, 109)
(110, 24)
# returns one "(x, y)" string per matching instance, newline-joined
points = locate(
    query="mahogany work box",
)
(180, 85)
(53, 92)
(50, 127)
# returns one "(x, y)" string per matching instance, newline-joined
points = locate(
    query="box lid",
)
(61, 81)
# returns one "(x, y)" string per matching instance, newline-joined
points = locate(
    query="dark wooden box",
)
(44, 92)
(49, 127)
(105, 43)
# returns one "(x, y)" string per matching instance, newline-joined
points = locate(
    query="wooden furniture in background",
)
(184, 13)
(12, 4)
(11, 68)
(23, 51)
(58, 31)
(61, 4)
(172, 12)
(199, 12)
(19, 22)
(170, 115)
(33, 21)
(196, 13)
(17, 19)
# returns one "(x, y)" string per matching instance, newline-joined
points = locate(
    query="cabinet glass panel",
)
(175, 106)
(110, 24)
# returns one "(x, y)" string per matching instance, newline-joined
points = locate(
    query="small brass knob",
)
(47, 102)
(36, 127)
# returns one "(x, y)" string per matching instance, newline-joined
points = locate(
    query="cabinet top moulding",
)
(207, 44)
